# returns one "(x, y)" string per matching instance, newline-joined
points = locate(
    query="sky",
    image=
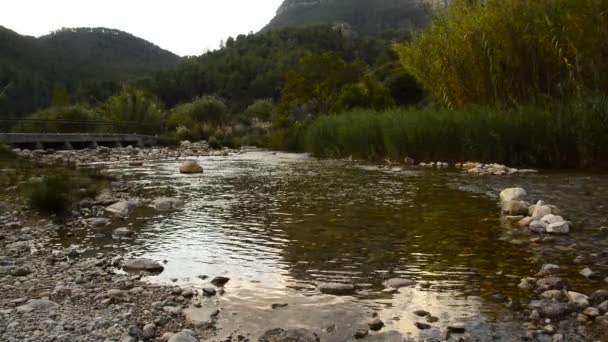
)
(185, 27)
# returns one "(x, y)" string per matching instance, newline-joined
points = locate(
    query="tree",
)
(61, 97)
(318, 82)
(134, 106)
(261, 109)
(366, 94)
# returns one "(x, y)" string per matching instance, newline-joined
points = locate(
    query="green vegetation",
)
(548, 136)
(509, 52)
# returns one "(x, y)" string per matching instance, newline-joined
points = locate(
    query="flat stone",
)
(143, 264)
(587, 272)
(209, 291)
(591, 312)
(203, 317)
(337, 289)
(37, 305)
(397, 283)
(515, 208)
(598, 297)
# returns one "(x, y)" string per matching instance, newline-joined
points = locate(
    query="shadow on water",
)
(278, 224)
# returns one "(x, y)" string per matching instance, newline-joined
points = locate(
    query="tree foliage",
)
(496, 52)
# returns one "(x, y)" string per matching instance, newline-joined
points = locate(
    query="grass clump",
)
(51, 194)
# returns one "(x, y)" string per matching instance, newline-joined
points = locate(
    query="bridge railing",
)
(75, 126)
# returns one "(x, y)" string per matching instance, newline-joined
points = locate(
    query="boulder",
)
(337, 289)
(559, 228)
(290, 335)
(143, 264)
(539, 226)
(515, 207)
(551, 308)
(598, 297)
(98, 222)
(409, 161)
(587, 272)
(167, 203)
(122, 231)
(397, 283)
(578, 299)
(512, 194)
(220, 281)
(122, 208)
(190, 167)
(525, 222)
(552, 219)
(542, 210)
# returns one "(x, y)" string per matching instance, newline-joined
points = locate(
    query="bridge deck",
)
(74, 138)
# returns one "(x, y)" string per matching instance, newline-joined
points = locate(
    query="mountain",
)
(364, 16)
(75, 58)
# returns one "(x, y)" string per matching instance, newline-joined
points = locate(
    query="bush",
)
(262, 110)
(496, 52)
(70, 113)
(51, 194)
(569, 134)
(366, 94)
(209, 110)
(134, 106)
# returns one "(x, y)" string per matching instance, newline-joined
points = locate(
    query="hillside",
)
(366, 17)
(74, 57)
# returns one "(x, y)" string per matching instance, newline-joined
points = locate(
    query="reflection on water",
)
(277, 224)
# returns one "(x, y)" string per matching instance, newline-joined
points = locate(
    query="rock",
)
(166, 336)
(587, 273)
(591, 312)
(121, 208)
(187, 293)
(421, 313)
(375, 324)
(122, 231)
(143, 264)
(456, 329)
(422, 326)
(559, 228)
(550, 268)
(525, 222)
(526, 284)
(133, 330)
(398, 283)
(220, 281)
(149, 331)
(409, 161)
(578, 299)
(203, 317)
(182, 337)
(512, 194)
(551, 283)
(98, 222)
(290, 335)
(552, 219)
(534, 315)
(361, 333)
(190, 167)
(337, 289)
(515, 208)
(432, 319)
(538, 226)
(598, 297)
(550, 308)
(542, 210)
(603, 307)
(209, 291)
(106, 198)
(20, 271)
(552, 294)
(167, 203)
(37, 305)
(278, 305)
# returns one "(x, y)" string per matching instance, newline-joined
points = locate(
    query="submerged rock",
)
(167, 203)
(397, 283)
(190, 167)
(122, 208)
(337, 289)
(143, 264)
(203, 317)
(290, 335)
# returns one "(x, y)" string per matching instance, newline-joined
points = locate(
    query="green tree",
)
(366, 94)
(261, 109)
(318, 82)
(134, 106)
(61, 97)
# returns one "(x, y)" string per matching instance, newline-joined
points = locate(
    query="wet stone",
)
(422, 326)
(375, 324)
(220, 281)
(338, 289)
(290, 335)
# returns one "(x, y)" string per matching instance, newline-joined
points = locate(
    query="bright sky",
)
(185, 27)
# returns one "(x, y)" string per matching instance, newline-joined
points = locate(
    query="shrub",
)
(366, 94)
(134, 106)
(203, 110)
(51, 194)
(262, 110)
(76, 114)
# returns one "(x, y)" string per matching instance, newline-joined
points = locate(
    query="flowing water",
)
(279, 224)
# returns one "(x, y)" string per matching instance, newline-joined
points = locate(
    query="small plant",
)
(51, 194)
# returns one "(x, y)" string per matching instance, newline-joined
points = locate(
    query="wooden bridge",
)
(64, 134)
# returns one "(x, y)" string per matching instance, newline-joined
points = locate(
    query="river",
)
(279, 224)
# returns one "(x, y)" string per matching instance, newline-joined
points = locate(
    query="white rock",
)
(579, 299)
(397, 283)
(538, 226)
(552, 219)
(190, 167)
(542, 210)
(559, 228)
(122, 208)
(182, 337)
(515, 207)
(512, 194)
(143, 264)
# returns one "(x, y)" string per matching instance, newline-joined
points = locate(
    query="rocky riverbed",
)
(76, 294)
